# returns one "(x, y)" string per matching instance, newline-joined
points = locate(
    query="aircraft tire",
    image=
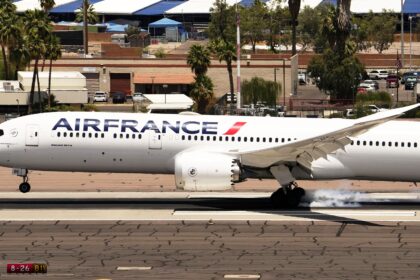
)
(25, 187)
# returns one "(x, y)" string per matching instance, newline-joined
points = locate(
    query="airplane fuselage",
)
(149, 143)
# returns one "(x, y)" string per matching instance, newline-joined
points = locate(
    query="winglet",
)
(387, 115)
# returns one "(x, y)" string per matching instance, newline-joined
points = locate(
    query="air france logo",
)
(121, 125)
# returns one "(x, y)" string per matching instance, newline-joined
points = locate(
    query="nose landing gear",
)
(24, 187)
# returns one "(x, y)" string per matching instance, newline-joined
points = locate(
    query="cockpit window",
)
(1, 132)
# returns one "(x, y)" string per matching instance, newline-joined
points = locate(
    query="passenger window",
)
(195, 137)
(115, 135)
(182, 137)
(402, 144)
(65, 134)
(189, 137)
(415, 145)
(409, 144)
(220, 138)
(239, 139)
(201, 138)
(245, 139)
(214, 138)
(233, 139)
(140, 136)
(1, 132)
(251, 139)
(358, 142)
(71, 134)
(396, 144)
(58, 133)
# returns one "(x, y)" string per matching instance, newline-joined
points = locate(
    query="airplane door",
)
(155, 140)
(32, 135)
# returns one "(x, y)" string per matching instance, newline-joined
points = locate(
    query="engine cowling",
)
(206, 171)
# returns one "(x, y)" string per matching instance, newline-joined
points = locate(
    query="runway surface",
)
(211, 236)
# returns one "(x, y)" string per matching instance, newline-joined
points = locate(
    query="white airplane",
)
(212, 153)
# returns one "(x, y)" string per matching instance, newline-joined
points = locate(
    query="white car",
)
(100, 96)
(138, 97)
(378, 74)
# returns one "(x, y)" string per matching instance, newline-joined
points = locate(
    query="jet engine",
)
(206, 171)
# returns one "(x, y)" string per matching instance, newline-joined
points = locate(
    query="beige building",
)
(121, 75)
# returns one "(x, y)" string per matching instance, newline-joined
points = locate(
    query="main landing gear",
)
(288, 196)
(24, 187)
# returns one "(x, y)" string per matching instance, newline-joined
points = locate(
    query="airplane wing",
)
(305, 151)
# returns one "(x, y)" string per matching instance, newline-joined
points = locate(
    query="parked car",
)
(392, 81)
(138, 97)
(118, 97)
(365, 88)
(378, 74)
(376, 109)
(410, 82)
(373, 83)
(100, 96)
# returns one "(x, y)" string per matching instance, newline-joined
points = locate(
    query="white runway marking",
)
(130, 268)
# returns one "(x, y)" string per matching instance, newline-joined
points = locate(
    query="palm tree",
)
(20, 55)
(9, 31)
(202, 89)
(38, 29)
(198, 59)
(47, 5)
(87, 15)
(294, 7)
(225, 51)
(53, 52)
(92, 16)
(343, 24)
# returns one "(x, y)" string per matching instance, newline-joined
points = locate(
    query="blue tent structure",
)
(166, 23)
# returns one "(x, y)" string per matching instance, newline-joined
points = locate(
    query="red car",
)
(392, 81)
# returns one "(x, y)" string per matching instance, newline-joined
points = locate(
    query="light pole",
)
(153, 83)
(411, 24)
(284, 79)
(164, 90)
(18, 107)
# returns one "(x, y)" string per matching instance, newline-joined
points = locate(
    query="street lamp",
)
(153, 83)
(284, 79)
(18, 107)
(411, 24)
(164, 90)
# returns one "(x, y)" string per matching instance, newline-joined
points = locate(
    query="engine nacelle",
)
(206, 171)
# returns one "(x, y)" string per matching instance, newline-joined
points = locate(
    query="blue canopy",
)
(165, 22)
(411, 7)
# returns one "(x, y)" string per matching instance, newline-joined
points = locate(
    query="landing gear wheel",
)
(25, 187)
(286, 197)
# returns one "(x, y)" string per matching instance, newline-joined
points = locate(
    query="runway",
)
(210, 236)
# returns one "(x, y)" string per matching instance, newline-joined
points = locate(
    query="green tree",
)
(9, 32)
(254, 22)
(225, 51)
(381, 30)
(92, 16)
(336, 76)
(20, 55)
(259, 90)
(294, 8)
(38, 29)
(198, 59)
(222, 36)
(53, 52)
(47, 5)
(360, 33)
(278, 21)
(201, 92)
(202, 89)
(222, 22)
